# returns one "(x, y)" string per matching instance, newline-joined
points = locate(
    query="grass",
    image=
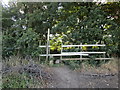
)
(108, 67)
(15, 79)
(95, 66)
(56, 65)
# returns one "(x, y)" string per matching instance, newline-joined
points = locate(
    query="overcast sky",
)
(5, 2)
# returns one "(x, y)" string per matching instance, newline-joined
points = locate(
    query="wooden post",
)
(104, 56)
(61, 50)
(47, 45)
(40, 52)
(81, 50)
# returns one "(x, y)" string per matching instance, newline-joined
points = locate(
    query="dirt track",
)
(67, 78)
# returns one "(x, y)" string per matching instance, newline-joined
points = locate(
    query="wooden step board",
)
(86, 58)
(66, 54)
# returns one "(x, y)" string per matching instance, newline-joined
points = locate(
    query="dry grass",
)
(13, 69)
(109, 67)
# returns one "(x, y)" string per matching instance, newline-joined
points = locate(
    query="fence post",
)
(104, 56)
(81, 50)
(61, 50)
(47, 45)
(40, 50)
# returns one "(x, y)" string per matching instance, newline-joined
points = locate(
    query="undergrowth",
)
(95, 64)
(16, 77)
(16, 81)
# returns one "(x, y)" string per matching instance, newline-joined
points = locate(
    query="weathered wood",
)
(47, 45)
(61, 50)
(39, 44)
(63, 54)
(81, 49)
(74, 53)
(86, 58)
(76, 45)
(84, 52)
(44, 46)
(83, 45)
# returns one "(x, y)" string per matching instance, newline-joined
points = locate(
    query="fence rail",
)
(82, 53)
(82, 45)
(47, 46)
(75, 45)
(86, 58)
(67, 54)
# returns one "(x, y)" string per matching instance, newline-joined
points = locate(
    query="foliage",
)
(15, 81)
(56, 42)
(23, 73)
(74, 23)
(27, 43)
(73, 64)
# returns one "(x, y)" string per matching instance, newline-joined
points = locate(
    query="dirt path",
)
(67, 78)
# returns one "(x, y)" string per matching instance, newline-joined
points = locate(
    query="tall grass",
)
(13, 78)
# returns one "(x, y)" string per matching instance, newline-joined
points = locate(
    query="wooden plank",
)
(84, 52)
(80, 49)
(86, 58)
(61, 49)
(63, 54)
(40, 52)
(44, 46)
(83, 45)
(76, 45)
(47, 45)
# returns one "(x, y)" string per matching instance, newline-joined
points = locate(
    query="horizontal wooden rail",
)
(86, 58)
(84, 52)
(72, 54)
(44, 46)
(76, 45)
(77, 53)
(82, 45)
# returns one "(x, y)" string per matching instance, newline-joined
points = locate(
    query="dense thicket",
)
(25, 25)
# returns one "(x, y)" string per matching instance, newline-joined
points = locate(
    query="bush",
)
(16, 81)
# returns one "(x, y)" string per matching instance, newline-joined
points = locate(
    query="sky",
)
(5, 2)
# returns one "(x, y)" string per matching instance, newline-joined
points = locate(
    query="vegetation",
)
(25, 26)
(22, 73)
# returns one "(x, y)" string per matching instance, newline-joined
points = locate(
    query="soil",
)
(63, 77)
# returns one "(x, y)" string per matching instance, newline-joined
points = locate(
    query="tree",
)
(74, 22)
